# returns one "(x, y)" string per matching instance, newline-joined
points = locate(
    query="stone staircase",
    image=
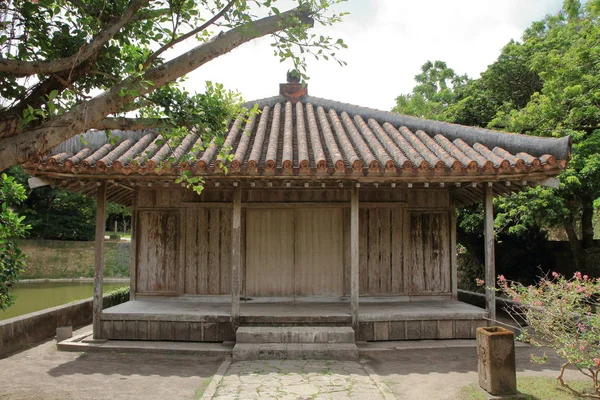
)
(295, 342)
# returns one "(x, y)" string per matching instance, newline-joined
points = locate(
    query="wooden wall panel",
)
(428, 253)
(270, 252)
(207, 251)
(380, 246)
(157, 233)
(319, 258)
(159, 197)
(428, 198)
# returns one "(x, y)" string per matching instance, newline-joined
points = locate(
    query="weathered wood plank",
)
(99, 259)
(157, 251)
(397, 261)
(373, 258)
(236, 238)
(415, 247)
(191, 251)
(363, 250)
(318, 252)
(430, 263)
(384, 216)
(270, 252)
(346, 230)
(201, 251)
(214, 252)
(226, 252)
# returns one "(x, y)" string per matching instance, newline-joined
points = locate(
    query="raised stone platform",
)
(208, 319)
(305, 342)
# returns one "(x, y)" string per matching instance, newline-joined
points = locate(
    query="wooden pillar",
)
(99, 257)
(453, 255)
(133, 249)
(354, 259)
(236, 245)
(490, 266)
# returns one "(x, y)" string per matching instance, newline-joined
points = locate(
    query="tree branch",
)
(191, 33)
(38, 140)
(25, 68)
(131, 124)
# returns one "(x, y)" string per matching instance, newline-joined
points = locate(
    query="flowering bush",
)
(562, 314)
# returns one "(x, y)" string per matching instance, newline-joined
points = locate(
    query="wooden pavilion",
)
(328, 214)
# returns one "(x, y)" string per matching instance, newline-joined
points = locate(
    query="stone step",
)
(298, 351)
(295, 334)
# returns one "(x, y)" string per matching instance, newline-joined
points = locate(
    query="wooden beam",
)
(236, 258)
(354, 259)
(490, 267)
(99, 258)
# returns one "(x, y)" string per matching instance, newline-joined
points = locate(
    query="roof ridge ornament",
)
(293, 90)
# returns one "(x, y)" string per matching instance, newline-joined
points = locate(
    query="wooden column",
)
(453, 255)
(236, 246)
(354, 259)
(133, 249)
(99, 257)
(490, 266)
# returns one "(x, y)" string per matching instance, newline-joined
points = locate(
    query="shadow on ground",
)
(143, 364)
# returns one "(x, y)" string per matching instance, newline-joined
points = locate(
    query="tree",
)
(12, 259)
(55, 55)
(434, 92)
(546, 85)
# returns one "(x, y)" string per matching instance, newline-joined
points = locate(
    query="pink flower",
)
(501, 278)
(577, 275)
(581, 348)
(538, 303)
(581, 289)
(555, 274)
(479, 282)
(585, 277)
(597, 362)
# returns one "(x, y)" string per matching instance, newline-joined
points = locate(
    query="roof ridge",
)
(512, 142)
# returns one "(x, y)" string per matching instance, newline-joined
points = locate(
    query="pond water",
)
(32, 297)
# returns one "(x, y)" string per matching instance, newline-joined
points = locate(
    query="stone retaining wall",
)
(19, 332)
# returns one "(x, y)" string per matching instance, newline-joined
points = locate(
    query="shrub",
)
(562, 314)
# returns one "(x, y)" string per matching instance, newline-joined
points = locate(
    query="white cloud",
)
(388, 42)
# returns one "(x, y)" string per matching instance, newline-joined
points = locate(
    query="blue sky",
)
(388, 42)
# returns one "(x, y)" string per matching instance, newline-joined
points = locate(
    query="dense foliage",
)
(12, 226)
(67, 66)
(545, 85)
(562, 314)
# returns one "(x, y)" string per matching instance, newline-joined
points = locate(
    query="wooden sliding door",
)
(294, 252)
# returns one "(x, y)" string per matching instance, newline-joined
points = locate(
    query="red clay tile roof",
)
(318, 137)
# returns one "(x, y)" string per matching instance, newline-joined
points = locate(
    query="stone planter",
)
(496, 360)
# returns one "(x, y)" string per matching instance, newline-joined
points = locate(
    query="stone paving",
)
(297, 380)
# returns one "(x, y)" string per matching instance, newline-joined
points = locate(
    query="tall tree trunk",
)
(574, 243)
(587, 224)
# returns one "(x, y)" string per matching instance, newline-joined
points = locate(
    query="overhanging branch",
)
(26, 68)
(21, 147)
(131, 124)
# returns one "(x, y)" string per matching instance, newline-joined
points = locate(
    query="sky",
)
(388, 41)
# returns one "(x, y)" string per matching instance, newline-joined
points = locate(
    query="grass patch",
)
(200, 391)
(534, 388)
